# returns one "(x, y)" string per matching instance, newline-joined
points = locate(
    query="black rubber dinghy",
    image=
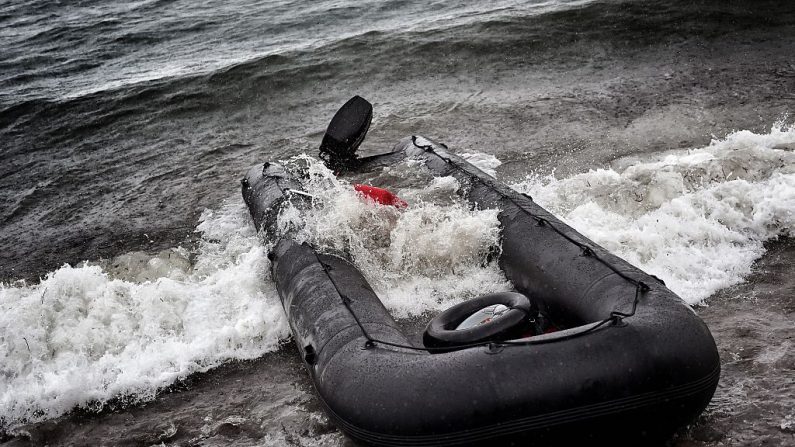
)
(634, 364)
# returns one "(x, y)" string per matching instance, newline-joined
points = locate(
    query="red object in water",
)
(380, 195)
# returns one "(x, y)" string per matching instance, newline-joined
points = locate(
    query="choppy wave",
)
(91, 333)
(122, 45)
(124, 328)
(696, 218)
(129, 326)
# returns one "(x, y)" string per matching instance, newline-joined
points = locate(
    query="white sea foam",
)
(487, 163)
(85, 334)
(129, 326)
(426, 257)
(134, 324)
(696, 218)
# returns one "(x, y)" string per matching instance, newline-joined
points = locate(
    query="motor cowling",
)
(345, 133)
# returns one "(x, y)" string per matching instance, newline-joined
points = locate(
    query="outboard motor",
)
(345, 133)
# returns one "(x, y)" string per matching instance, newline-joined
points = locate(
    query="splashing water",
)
(696, 218)
(125, 328)
(85, 334)
(426, 257)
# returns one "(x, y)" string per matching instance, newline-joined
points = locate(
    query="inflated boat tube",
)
(444, 330)
(635, 364)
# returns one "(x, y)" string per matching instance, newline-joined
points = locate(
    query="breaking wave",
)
(121, 329)
(696, 218)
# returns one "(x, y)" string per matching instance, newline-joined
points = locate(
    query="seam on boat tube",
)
(534, 422)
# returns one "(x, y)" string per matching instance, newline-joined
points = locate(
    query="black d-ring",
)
(441, 332)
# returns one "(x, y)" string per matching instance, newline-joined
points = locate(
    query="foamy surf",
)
(88, 334)
(695, 218)
(124, 328)
(433, 254)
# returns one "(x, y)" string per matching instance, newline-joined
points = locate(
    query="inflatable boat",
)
(629, 363)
